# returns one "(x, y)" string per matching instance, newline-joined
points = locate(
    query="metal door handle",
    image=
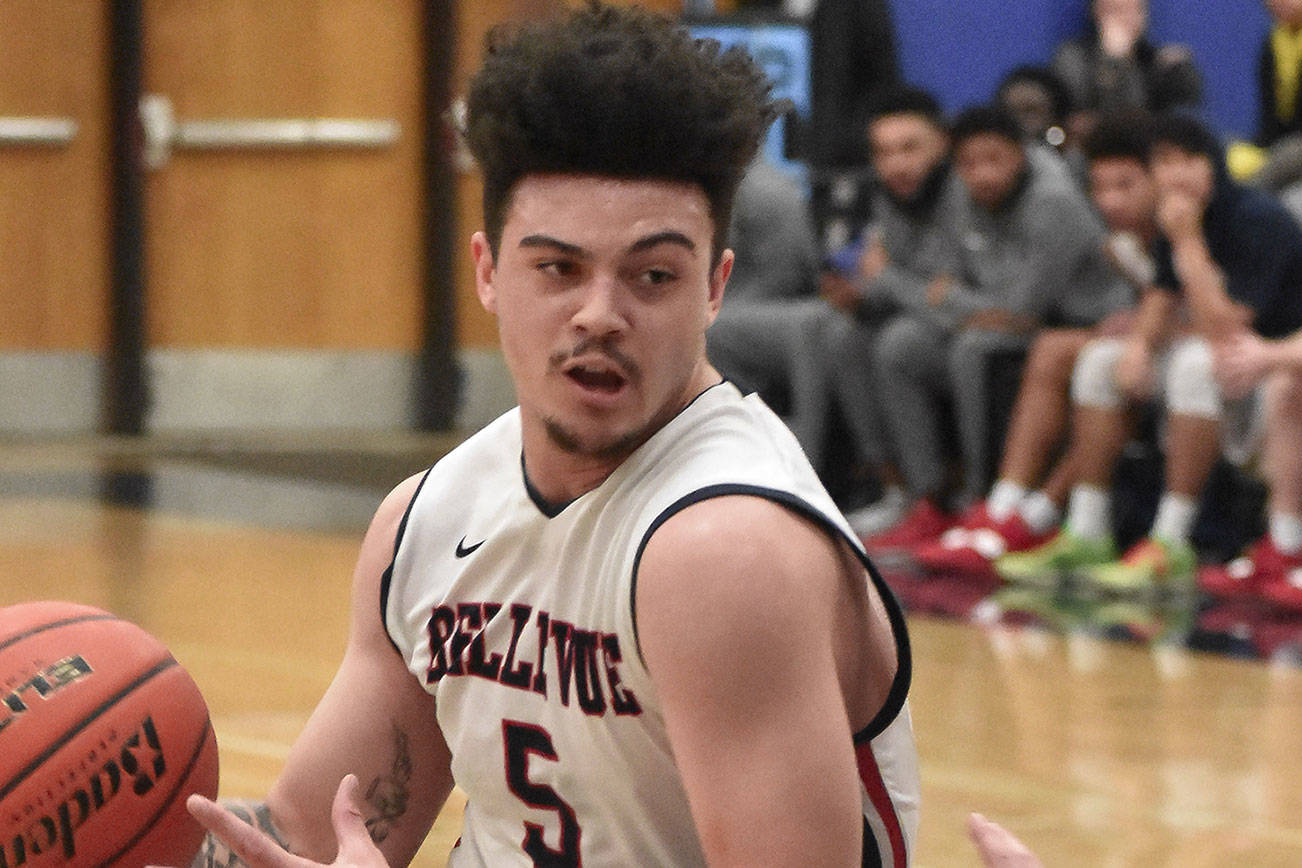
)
(164, 133)
(52, 132)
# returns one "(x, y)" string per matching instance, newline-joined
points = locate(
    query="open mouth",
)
(597, 379)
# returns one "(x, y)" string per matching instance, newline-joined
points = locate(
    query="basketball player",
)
(624, 618)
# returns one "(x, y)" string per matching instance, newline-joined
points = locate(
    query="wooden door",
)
(53, 282)
(285, 284)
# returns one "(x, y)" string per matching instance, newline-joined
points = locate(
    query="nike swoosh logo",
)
(463, 550)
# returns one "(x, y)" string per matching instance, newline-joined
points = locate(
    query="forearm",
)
(215, 854)
(1288, 353)
(1201, 279)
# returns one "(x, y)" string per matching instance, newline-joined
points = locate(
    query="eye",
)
(560, 268)
(657, 276)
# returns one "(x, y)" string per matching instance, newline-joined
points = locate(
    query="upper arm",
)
(736, 608)
(375, 721)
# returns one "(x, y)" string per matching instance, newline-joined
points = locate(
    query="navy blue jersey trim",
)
(550, 509)
(387, 578)
(872, 854)
(545, 506)
(890, 709)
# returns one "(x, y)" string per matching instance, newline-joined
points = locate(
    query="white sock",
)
(1004, 498)
(1039, 512)
(1089, 513)
(1175, 517)
(1286, 532)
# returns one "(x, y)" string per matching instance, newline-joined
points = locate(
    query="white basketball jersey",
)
(518, 616)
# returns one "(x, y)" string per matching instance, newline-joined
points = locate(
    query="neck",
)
(559, 475)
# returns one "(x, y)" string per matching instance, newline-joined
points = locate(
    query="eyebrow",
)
(668, 236)
(555, 243)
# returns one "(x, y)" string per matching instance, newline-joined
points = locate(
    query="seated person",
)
(1272, 567)
(1276, 163)
(1114, 67)
(1016, 515)
(1041, 103)
(766, 335)
(911, 241)
(1236, 257)
(1031, 252)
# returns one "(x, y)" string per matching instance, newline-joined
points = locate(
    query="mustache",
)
(596, 346)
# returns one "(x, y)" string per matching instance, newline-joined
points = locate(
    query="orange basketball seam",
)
(171, 797)
(54, 625)
(95, 714)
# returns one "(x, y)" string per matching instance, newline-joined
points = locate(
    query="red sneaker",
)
(1282, 585)
(923, 523)
(1262, 566)
(973, 546)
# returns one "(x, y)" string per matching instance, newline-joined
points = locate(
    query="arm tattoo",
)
(388, 794)
(215, 854)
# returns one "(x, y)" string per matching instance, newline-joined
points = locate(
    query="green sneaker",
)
(1150, 564)
(1065, 553)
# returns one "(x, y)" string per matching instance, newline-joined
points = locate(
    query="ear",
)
(482, 253)
(719, 280)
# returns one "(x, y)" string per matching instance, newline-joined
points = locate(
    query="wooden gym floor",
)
(1098, 752)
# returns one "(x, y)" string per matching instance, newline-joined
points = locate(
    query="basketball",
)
(103, 735)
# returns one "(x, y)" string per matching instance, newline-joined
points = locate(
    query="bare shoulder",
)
(736, 557)
(377, 552)
(733, 579)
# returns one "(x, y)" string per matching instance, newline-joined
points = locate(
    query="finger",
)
(355, 844)
(255, 848)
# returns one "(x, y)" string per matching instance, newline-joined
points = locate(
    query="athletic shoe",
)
(1150, 564)
(1065, 552)
(1283, 586)
(1247, 576)
(977, 541)
(923, 523)
(879, 516)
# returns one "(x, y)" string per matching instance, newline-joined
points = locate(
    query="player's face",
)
(1176, 170)
(603, 291)
(906, 148)
(989, 165)
(1124, 194)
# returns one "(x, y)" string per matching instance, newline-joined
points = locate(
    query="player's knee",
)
(1094, 380)
(901, 344)
(1191, 388)
(1053, 356)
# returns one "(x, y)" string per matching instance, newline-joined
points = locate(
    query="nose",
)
(600, 312)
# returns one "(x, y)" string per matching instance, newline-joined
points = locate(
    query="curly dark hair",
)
(618, 92)
(991, 118)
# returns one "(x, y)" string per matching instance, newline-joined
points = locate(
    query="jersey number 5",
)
(522, 740)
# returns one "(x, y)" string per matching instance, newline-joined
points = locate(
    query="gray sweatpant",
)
(921, 366)
(764, 345)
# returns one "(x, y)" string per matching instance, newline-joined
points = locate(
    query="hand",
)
(1242, 361)
(1119, 31)
(874, 259)
(1135, 374)
(997, 846)
(840, 291)
(938, 289)
(356, 849)
(996, 320)
(1180, 216)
